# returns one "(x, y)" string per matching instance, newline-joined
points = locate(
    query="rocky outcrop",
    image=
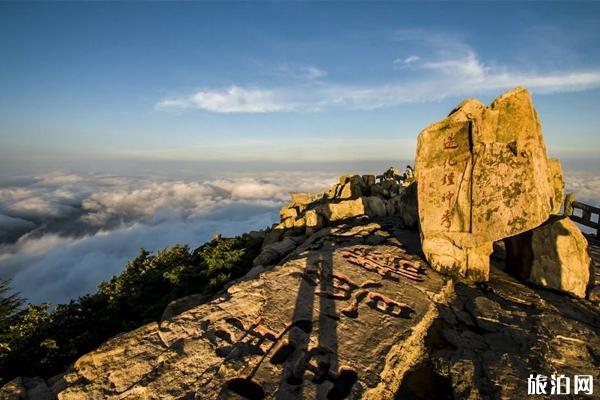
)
(339, 319)
(483, 175)
(491, 338)
(553, 255)
(353, 196)
(352, 313)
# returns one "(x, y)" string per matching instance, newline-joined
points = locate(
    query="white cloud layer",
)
(62, 234)
(586, 186)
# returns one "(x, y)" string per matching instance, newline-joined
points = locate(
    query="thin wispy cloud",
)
(467, 66)
(400, 63)
(238, 99)
(233, 99)
(451, 68)
(300, 72)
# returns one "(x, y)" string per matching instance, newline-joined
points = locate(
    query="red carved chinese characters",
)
(450, 163)
(446, 219)
(450, 141)
(448, 196)
(448, 179)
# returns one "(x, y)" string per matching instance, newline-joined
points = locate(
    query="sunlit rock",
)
(553, 255)
(483, 175)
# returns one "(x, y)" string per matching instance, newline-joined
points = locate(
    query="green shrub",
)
(38, 341)
(9, 304)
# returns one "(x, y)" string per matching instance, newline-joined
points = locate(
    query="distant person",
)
(409, 176)
(392, 174)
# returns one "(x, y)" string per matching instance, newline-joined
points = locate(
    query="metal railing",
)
(587, 212)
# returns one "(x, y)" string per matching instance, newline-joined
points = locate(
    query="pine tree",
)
(9, 303)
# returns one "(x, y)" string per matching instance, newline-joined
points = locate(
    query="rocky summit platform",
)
(352, 313)
(343, 317)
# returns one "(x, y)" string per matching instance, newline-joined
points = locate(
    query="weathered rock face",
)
(492, 340)
(339, 319)
(483, 175)
(553, 255)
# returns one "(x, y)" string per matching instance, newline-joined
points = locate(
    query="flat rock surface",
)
(342, 317)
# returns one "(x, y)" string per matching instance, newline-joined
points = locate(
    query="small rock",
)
(369, 180)
(288, 223)
(257, 234)
(344, 179)
(345, 209)
(288, 212)
(38, 389)
(300, 223)
(266, 257)
(594, 294)
(301, 198)
(447, 315)
(274, 234)
(13, 390)
(487, 313)
(374, 240)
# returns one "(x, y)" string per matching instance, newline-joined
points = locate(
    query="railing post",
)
(569, 199)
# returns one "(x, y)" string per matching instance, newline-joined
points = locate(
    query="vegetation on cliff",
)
(9, 304)
(42, 341)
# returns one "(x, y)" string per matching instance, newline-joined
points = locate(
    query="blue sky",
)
(274, 81)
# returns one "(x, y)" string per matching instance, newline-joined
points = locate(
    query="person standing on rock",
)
(409, 176)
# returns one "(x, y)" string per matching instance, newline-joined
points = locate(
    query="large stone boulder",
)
(314, 221)
(553, 255)
(375, 206)
(483, 176)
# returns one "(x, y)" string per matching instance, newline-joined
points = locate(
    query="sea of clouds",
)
(63, 233)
